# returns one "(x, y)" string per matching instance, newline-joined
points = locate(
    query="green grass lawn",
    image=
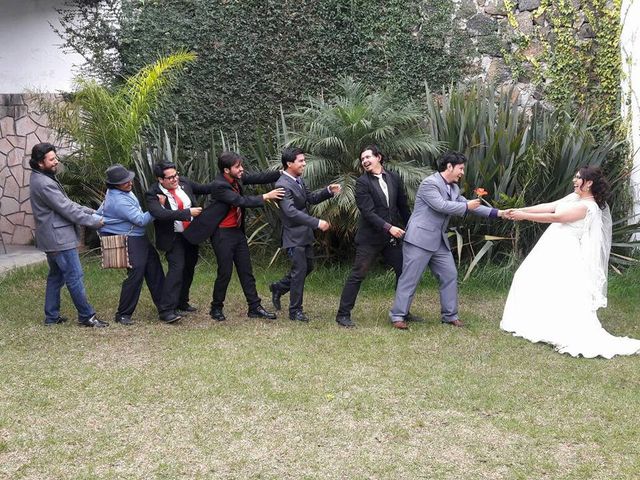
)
(256, 399)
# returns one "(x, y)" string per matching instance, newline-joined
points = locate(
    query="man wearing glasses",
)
(172, 202)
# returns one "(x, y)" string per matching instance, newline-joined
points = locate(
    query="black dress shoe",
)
(217, 314)
(413, 318)
(299, 316)
(186, 308)
(260, 312)
(123, 319)
(94, 322)
(55, 321)
(345, 321)
(169, 317)
(275, 296)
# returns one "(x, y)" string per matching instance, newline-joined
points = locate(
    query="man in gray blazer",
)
(426, 242)
(56, 217)
(297, 230)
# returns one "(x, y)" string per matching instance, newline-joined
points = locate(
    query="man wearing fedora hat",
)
(124, 216)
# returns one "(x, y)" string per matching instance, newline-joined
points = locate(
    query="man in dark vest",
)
(224, 222)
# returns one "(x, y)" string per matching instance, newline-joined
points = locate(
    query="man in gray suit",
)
(426, 242)
(56, 217)
(297, 230)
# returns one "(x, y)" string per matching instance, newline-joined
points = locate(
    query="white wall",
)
(30, 53)
(630, 46)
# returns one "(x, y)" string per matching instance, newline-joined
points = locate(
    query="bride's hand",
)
(518, 215)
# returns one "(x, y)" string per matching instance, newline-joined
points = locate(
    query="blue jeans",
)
(65, 268)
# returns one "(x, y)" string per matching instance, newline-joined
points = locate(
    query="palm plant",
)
(104, 125)
(333, 130)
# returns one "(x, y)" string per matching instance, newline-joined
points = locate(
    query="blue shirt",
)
(121, 211)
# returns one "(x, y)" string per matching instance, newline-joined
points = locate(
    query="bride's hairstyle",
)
(600, 188)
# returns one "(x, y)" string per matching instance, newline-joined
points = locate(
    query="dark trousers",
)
(365, 255)
(145, 265)
(293, 282)
(182, 259)
(231, 248)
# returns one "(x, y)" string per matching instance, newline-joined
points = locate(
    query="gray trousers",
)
(442, 266)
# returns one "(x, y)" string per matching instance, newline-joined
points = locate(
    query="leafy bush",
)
(333, 130)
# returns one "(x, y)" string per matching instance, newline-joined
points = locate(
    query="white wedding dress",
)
(558, 288)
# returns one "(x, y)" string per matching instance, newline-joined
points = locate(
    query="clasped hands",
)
(515, 214)
(510, 213)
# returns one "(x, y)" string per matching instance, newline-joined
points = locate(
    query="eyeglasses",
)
(172, 177)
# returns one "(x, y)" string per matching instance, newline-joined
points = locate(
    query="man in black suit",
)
(297, 230)
(224, 222)
(172, 202)
(382, 201)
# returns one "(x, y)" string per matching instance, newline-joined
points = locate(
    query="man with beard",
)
(224, 222)
(56, 217)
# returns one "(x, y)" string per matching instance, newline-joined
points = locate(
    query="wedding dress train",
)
(558, 288)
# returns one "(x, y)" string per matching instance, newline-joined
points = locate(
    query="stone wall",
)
(494, 38)
(22, 126)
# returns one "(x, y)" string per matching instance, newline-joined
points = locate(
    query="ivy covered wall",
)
(255, 55)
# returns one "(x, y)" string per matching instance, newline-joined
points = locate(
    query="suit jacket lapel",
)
(295, 188)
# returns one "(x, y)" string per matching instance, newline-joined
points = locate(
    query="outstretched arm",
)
(319, 195)
(577, 212)
(544, 207)
(260, 178)
(69, 209)
(431, 195)
(164, 214)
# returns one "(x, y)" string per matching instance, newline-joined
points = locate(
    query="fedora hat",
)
(117, 175)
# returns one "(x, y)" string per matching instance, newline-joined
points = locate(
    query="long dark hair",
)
(600, 188)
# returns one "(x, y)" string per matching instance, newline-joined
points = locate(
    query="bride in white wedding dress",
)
(563, 281)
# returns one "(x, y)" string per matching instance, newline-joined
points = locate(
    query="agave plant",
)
(104, 124)
(332, 130)
(521, 158)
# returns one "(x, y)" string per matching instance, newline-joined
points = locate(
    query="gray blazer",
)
(56, 215)
(297, 224)
(427, 227)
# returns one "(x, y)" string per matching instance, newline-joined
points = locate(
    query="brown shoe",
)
(400, 325)
(455, 323)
